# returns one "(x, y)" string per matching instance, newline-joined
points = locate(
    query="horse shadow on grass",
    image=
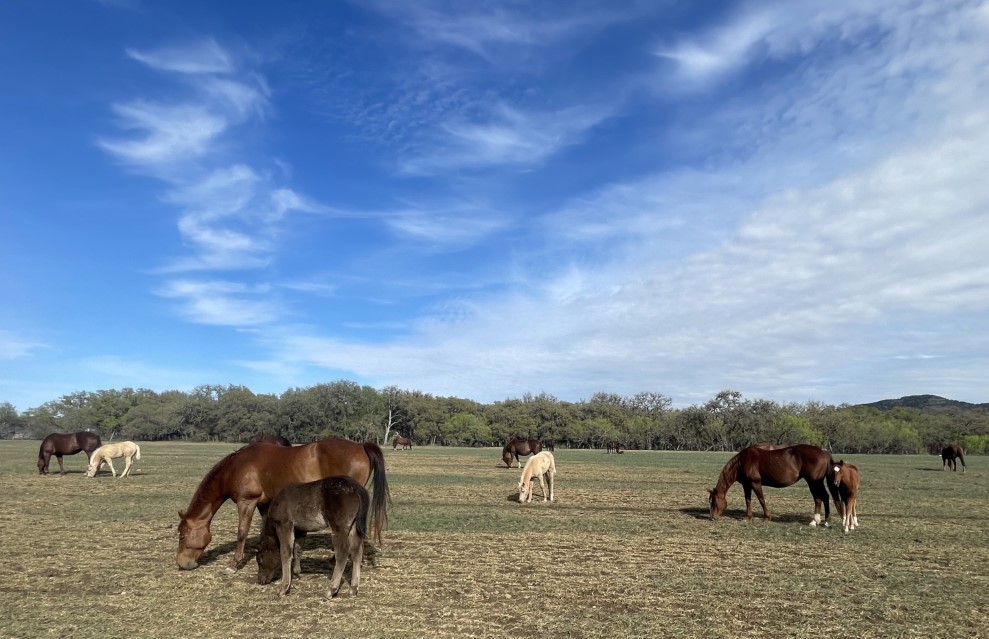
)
(739, 515)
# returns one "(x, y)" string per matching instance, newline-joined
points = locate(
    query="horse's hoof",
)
(813, 523)
(229, 571)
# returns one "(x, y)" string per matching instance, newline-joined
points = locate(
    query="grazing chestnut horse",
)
(270, 439)
(338, 503)
(404, 442)
(948, 456)
(755, 467)
(847, 480)
(615, 446)
(519, 446)
(108, 452)
(540, 465)
(253, 475)
(59, 444)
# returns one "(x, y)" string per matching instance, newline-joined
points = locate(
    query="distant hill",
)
(926, 402)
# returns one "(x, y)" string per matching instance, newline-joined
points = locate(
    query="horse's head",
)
(41, 464)
(193, 539)
(839, 472)
(525, 490)
(717, 503)
(91, 471)
(269, 559)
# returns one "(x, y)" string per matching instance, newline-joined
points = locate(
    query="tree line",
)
(643, 421)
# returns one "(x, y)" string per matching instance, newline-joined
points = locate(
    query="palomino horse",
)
(539, 465)
(519, 446)
(847, 480)
(108, 452)
(270, 439)
(404, 442)
(948, 456)
(755, 467)
(253, 475)
(615, 446)
(338, 503)
(59, 444)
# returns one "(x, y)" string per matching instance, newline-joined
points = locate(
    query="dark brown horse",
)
(519, 446)
(404, 442)
(269, 439)
(755, 467)
(948, 456)
(253, 475)
(59, 444)
(615, 446)
(549, 445)
(338, 503)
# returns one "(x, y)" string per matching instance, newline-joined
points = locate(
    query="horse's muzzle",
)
(186, 564)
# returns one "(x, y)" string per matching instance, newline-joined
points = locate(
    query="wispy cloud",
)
(15, 346)
(223, 303)
(511, 137)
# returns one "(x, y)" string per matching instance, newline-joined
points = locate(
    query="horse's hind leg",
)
(61, 466)
(550, 477)
(341, 551)
(127, 464)
(356, 557)
(300, 538)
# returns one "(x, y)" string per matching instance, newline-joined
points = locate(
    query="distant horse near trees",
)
(519, 446)
(549, 445)
(615, 446)
(269, 439)
(338, 503)
(106, 453)
(60, 444)
(755, 467)
(949, 454)
(404, 442)
(847, 480)
(543, 466)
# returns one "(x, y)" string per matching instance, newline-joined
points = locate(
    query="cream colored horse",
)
(108, 452)
(540, 465)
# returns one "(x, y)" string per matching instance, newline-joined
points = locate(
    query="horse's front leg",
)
(286, 539)
(757, 487)
(748, 501)
(127, 464)
(113, 470)
(245, 511)
(542, 486)
(820, 493)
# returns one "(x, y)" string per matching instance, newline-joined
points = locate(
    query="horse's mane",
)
(206, 491)
(729, 474)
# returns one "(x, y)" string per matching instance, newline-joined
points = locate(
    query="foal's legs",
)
(356, 557)
(542, 486)
(341, 552)
(109, 462)
(128, 460)
(550, 478)
(286, 543)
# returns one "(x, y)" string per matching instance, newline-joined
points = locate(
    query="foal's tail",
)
(137, 455)
(360, 522)
(380, 496)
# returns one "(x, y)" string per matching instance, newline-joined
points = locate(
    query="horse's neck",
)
(728, 476)
(206, 500)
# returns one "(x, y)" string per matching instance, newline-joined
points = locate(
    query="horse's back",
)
(267, 468)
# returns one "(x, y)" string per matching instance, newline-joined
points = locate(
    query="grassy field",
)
(626, 551)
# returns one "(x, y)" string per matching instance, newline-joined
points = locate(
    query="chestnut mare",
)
(847, 480)
(253, 475)
(269, 439)
(948, 456)
(59, 444)
(338, 503)
(519, 446)
(404, 442)
(755, 467)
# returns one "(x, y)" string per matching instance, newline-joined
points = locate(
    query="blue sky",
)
(484, 199)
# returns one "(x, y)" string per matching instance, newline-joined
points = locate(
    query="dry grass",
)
(627, 551)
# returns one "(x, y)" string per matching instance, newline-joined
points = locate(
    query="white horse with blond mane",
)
(539, 465)
(108, 452)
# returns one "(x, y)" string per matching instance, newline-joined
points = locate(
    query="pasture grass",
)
(627, 551)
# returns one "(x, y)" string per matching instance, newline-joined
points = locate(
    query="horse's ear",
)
(181, 515)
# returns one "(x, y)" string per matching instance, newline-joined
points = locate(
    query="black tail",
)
(379, 487)
(361, 521)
